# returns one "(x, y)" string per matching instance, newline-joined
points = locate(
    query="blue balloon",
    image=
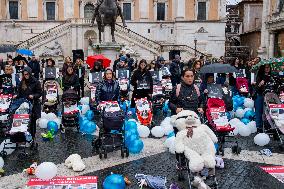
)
(245, 121)
(81, 119)
(130, 125)
(90, 127)
(136, 146)
(133, 132)
(249, 115)
(114, 181)
(130, 139)
(171, 134)
(89, 115)
(83, 125)
(52, 125)
(216, 146)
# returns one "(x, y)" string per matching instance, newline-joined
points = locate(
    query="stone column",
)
(180, 9)
(262, 51)
(271, 44)
(144, 9)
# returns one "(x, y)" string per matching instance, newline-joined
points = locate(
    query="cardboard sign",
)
(219, 116)
(109, 106)
(240, 73)
(50, 73)
(122, 74)
(123, 84)
(93, 92)
(20, 123)
(64, 182)
(215, 91)
(143, 84)
(157, 76)
(277, 111)
(96, 77)
(5, 101)
(165, 71)
(167, 85)
(281, 96)
(276, 171)
(157, 90)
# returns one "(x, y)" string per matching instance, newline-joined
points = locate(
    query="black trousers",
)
(81, 81)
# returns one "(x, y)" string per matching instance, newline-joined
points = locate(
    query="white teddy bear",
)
(75, 162)
(195, 140)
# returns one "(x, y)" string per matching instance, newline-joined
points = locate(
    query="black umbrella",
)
(218, 68)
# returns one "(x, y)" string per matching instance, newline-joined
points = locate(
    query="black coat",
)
(70, 81)
(34, 65)
(139, 76)
(107, 91)
(33, 88)
(187, 99)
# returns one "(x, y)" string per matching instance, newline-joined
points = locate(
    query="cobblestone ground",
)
(240, 172)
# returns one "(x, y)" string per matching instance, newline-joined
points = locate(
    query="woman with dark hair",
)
(142, 82)
(70, 80)
(108, 89)
(186, 96)
(80, 71)
(50, 62)
(30, 89)
(67, 62)
(196, 68)
(97, 67)
(263, 77)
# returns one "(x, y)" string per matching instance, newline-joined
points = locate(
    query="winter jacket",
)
(176, 68)
(83, 71)
(70, 81)
(139, 76)
(34, 65)
(107, 91)
(33, 88)
(187, 99)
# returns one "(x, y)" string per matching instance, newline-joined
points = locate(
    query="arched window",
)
(89, 10)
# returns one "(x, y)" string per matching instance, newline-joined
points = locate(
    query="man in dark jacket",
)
(34, 65)
(175, 69)
(116, 62)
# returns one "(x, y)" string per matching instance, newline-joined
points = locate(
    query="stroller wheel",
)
(105, 154)
(180, 176)
(100, 154)
(281, 147)
(22, 155)
(3, 154)
(34, 146)
(62, 129)
(236, 149)
(122, 152)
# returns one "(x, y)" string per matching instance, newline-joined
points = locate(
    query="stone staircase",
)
(121, 32)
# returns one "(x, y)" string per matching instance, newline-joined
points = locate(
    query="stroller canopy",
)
(70, 94)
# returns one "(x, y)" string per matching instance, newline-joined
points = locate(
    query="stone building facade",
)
(154, 26)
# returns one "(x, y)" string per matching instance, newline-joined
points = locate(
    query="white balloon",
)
(248, 103)
(43, 123)
(167, 126)
(51, 117)
(240, 113)
(157, 131)
(235, 131)
(252, 126)
(234, 122)
(46, 170)
(1, 162)
(143, 131)
(169, 141)
(8, 145)
(85, 101)
(43, 115)
(85, 108)
(261, 139)
(244, 131)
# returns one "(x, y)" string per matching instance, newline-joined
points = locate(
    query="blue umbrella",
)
(25, 52)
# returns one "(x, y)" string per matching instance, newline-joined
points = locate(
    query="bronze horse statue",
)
(106, 12)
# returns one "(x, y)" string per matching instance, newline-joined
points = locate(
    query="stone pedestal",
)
(109, 50)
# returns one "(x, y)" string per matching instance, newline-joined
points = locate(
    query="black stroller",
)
(112, 132)
(70, 112)
(158, 95)
(20, 116)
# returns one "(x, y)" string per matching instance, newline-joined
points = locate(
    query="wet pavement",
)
(240, 172)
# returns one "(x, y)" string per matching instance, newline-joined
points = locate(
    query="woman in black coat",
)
(142, 82)
(80, 71)
(70, 80)
(30, 88)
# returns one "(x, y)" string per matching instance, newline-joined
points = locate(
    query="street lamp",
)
(195, 42)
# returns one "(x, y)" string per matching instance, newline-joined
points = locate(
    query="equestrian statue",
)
(105, 13)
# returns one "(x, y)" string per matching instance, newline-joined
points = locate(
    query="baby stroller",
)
(5, 101)
(242, 83)
(94, 79)
(20, 112)
(217, 118)
(144, 111)
(50, 96)
(122, 76)
(70, 111)
(274, 116)
(158, 96)
(112, 120)
(166, 82)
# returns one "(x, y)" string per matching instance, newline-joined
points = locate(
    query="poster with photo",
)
(276, 171)
(96, 77)
(5, 101)
(143, 84)
(77, 182)
(157, 76)
(219, 116)
(277, 110)
(122, 74)
(240, 73)
(50, 73)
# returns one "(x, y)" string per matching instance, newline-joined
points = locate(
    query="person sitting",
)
(9, 80)
(142, 82)
(70, 80)
(108, 89)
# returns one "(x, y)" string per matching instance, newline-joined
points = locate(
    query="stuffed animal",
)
(199, 183)
(31, 169)
(75, 162)
(195, 140)
(219, 162)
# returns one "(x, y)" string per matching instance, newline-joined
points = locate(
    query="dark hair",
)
(186, 70)
(261, 70)
(194, 64)
(113, 75)
(142, 61)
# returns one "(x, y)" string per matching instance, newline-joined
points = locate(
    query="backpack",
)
(179, 87)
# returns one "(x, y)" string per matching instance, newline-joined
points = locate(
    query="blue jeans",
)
(258, 104)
